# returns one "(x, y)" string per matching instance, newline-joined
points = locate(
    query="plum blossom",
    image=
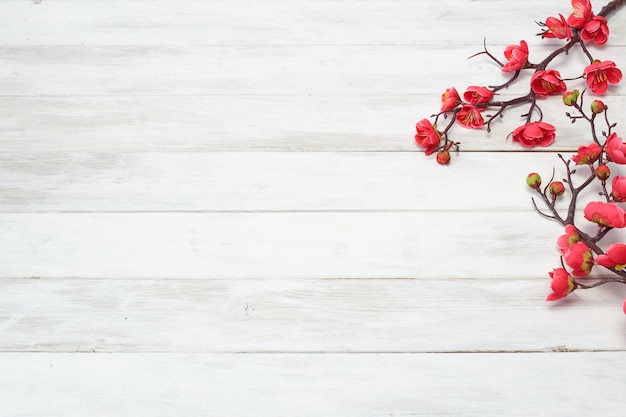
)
(557, 28)
(562, 284)
(587, 154)
(547, 82)
(600, 73)
(615, 149)
(615, 257)
(469, 116)
(596, 29)
(579, 258)
(581, 13)
(517, 57)
(534, 134)
(618, 189)
(571, 236)
(427, 136)
(605, 214)
(450, 99)
(476, 95)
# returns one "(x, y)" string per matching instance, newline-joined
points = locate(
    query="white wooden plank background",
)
(217, 208)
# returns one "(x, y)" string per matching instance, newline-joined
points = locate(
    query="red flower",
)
(570, 237)
(427, 136)
(450, 99)
(475, 95)
(580, 259)
(517, 57)
(615, 257)
(587, 154)
(596, 29)
(469, 116)
(534, 134)
(544, 83)
(616, 149)
(624, 306)
(605, 214)
(557, 28)
(618, 189)
(600, 73)
(562, 284)
(581, 13)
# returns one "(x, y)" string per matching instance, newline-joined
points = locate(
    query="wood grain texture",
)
(273, 181)
(339, 385)
(280, 245)
(217, 208)
(119, 22)
(305, 315)
(206, 123)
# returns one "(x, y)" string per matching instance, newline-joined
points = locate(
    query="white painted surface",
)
(216, 208)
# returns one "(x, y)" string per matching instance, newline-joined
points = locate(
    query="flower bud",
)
(443, 157)
(533, 180)
(570, 97)
(603, 172)
(557, 188)
(597, 106)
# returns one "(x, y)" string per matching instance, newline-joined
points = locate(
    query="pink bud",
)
(557, 188)
(603, 172)
(597, 106)
(570, 97)
(443, 157)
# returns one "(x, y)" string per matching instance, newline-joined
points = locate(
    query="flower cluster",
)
(470, 110)
(581, 252)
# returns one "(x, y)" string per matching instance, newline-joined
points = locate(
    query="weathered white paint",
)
(304, 315)
(300, 122)
(223, 200)
(312, 385)
(272, 181)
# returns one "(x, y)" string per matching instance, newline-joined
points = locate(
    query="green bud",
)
(571, 97)
(533, 180)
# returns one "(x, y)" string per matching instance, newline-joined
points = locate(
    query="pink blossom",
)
(581, 13)
(475, 94)
(579, 258)
(570, 237)
(605, 214)
(470, 117)
(450, 99)
(534, 134)
(600, 73)
(562, 284)
(545, 83)
(615, 149)
(587, 154)
(427, 136)
(557, 28)
(615, 257)
(618, 189)
(596, 29)
(517, 57)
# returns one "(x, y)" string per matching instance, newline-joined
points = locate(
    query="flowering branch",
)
(580, 251)
(579, 29)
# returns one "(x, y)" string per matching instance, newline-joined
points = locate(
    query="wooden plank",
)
(306, 315)
(272, 181)
(263, 69)
(281, 22)
(302, 122)
(427, 245)
(67, 385)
